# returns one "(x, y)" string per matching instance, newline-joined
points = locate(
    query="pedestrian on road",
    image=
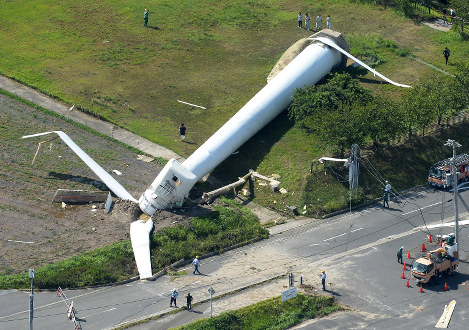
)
(307, 18)
(318, 22)
(189, 302)
(300, 20)
(323, 280)
(145, 17)
(386, 198)
(399, 254)
(196, 264)
(328, 21)
(446, 53)
(182, 131)
(174, 296)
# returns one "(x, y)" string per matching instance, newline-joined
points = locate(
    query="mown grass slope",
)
(216, 54)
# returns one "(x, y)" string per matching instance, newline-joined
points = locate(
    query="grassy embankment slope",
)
(216, 54)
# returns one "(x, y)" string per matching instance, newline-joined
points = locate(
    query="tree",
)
(461, 7)
(383, 120)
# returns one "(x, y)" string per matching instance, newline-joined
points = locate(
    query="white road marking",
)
(422, 208)
(317, 244)
(108, 310)
(341, 235)
(10, 240)
(446, 224)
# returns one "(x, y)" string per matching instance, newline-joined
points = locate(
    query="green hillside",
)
(217, 54)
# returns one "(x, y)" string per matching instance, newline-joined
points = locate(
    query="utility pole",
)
(454, 144)
(31, 299)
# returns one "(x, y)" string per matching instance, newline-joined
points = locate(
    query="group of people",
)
(189, 298)
(307, 18)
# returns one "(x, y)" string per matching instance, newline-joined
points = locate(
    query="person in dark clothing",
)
(189, 302)
(399, 254)
(446, 54)
(145, 17)
(323, 280)
(182, 131)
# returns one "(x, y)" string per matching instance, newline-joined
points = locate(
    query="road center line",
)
(108, 310)
(341, 235)
(422, 208)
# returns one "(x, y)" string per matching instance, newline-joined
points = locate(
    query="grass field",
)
(216, 54)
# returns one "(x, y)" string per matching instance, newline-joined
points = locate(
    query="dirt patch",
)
(34, 231)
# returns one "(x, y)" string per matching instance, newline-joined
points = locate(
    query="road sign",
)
(288, 294)
(211, 291)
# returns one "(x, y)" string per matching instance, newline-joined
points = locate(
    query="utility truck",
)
(442, 261)
(440, 173)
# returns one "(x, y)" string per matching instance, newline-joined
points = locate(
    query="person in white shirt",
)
(328, 20)
(196, 264)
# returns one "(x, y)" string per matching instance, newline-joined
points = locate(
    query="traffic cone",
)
(421, 289)
(430, 239)
(403, 275)
(405, 267)
(446, 286)
(407, 284)
(408, 254)
(441, 242)
(423, 247)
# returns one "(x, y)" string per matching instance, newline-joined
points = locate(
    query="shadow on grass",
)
(254, 150)
(81, 179)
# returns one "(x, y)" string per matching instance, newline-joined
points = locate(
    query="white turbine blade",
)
(110, 182)
(333, 45)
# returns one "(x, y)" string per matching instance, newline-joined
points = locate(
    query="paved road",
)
(357, 250)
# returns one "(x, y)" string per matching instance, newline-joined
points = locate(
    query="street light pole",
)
(31, 299)
(455, 175)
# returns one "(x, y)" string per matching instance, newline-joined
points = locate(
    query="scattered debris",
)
(194, 105)
(145, 159)
(275, 176)
(117, 172)
(293, 210)
(283, 191)
(64, 205)
(71, 108)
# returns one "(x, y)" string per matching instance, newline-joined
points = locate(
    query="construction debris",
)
(79, 196)
(145, 159)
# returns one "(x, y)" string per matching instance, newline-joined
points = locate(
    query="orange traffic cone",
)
(407, 285)
(441, 242)
(408, 254)
(421, 289)
(430, 238)
(403, 275)
(404, 268)
(446, 286)
(423, 247)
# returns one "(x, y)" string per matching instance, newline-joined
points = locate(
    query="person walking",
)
(189, 302)
(328, 22)
(182, 132)
(307, 18)
(446, 54)
(399, 254)
(174, 296)
(323, 280)
(318, 22)
(145, 17)
(300, 20)
(196, 264)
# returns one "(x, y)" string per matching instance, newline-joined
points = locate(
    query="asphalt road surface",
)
(357, 250)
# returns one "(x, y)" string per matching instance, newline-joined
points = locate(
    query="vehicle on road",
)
(440, 173)
(442, 261)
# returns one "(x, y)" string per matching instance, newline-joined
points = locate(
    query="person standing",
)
(182, 132)
(307, 18)
(323, 280)
(145, 17)
(196, 264)
(386, 198)
(328, 22)
(318, 22)
(399, 254)
(174, 296)
(189, 302)
(300, 20)
(446, 53)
